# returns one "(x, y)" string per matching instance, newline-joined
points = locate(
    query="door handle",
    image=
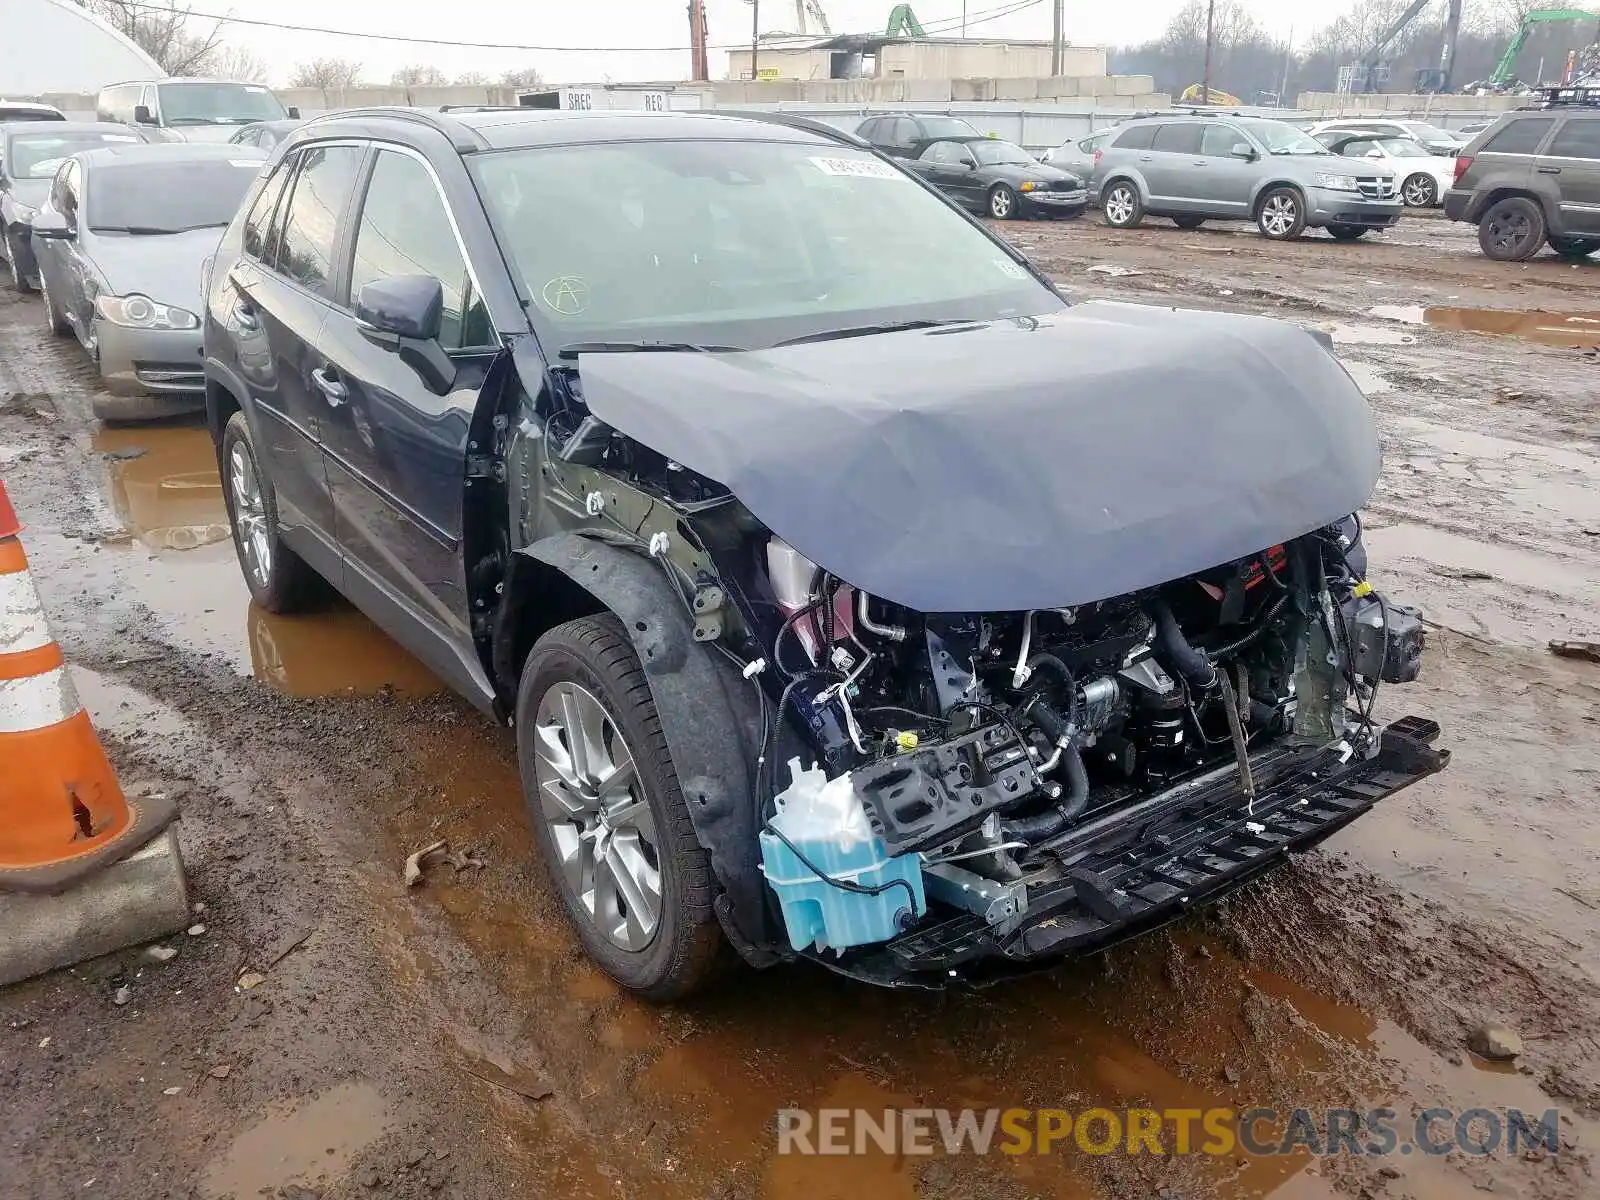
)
(335, 392)
(1199, 162)
(1549, 170)
(1147, 158)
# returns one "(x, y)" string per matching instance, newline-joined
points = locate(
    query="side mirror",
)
(51, 225)
(294, 112)
(401, 306)
(142, 115)
(403, 313)
(1374, 154)
(1243, 150)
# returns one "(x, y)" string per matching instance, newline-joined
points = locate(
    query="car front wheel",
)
(608, 812)
(1121, 206)
(1512, 230)
(279, 580)
(1420, 191)
(1281, 215)
(1002, 203)
(1346, 233)
(19, 281)
(53, 320)
(1188, 222)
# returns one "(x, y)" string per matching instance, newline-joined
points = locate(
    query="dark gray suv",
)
(1530, 180)
(1196, 168)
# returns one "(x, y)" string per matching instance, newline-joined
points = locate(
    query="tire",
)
(279, 579)
(53, 320)
(19, 281)
(1570, 246)
(585, 674)
(1188, 222)
(1512, 230)
(1346, 233)
(1420, 191)
(1281, 214)
(1002, 203)
(1120, 205)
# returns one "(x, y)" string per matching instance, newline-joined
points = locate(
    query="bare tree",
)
(326, 73)
(237, 62)
(163, 30)
(472, 79)
(418, 75)
(525, 77)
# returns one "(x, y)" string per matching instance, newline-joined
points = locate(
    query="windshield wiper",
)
(577, 348)
(828, 335)
(136, 230)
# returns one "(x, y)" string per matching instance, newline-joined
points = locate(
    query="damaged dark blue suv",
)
(852, 595)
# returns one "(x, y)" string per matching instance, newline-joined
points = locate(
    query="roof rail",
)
(464, 139)
(447, 108)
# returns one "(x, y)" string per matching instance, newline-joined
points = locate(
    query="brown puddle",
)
(309, 1143)
(163, 486)
(1579, 330)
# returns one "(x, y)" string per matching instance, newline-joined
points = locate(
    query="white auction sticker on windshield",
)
(863, 168)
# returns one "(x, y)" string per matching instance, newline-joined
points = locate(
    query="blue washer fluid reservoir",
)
(826, 822)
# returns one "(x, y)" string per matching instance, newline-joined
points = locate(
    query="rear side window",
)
(1179, 139)
(1578, 138)
(259, 221)
(1521, 136)
(310, 226)
(1137, 137)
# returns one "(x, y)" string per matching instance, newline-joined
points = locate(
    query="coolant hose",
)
(1061, 669)
(1194, 665)
(1057, 817)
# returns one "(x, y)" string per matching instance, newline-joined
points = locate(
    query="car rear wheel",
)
(19, 281)
(1420, 191)
(608, 812)
(1281, 214)
(1121, 206)
(1002, 202)
(53, 320)
(1346, 233)
(279, 580)
(1512, 230)
(1571, 246)
(1188, 222)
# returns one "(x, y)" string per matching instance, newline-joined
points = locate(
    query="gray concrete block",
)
(140, 899)
(1132, 85)
(1016, 89)
(972, 89)
(1058, 87)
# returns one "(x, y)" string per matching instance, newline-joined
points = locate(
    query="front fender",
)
(708, 713)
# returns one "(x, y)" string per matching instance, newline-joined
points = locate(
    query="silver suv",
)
(1196, 168)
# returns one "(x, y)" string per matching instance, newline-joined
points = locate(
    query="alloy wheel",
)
(1278, 215)
(593, 801)
(1418, 191)
(1119, 205)
(1000, 204)
(250, 515)
(1509, 230)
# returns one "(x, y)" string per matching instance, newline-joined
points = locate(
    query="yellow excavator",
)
(1196, 93)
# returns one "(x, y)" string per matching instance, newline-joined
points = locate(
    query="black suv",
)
(1533, 179)
(907, 135)
(778, 505)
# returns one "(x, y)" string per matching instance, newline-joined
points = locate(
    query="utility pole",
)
(963, 18)
(1205, 82)
(755, 38)
(1283, 85)
(1055, 42)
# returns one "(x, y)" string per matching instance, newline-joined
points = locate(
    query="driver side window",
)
(1358, 149)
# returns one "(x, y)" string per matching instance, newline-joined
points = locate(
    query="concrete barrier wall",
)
(1345, 104)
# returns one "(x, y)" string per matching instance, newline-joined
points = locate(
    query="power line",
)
(978, 18)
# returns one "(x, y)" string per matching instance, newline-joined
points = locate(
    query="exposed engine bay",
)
(979, 742)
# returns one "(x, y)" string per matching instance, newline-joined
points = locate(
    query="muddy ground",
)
(331, 1034)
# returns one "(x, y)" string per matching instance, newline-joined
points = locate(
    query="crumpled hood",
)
(32, 192)
(165, 267)
(1035, 463)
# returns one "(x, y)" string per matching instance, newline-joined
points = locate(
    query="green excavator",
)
(1505, 69)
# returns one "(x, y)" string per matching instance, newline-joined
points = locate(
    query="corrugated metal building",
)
(855, 56)
(53, 46)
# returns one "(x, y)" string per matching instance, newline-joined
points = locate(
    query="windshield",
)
(947, 127)
(217, 104)
(1403, 148)
(1279, 137)
(167, 197)
(37, 156)
(992, 153)
(740, 244)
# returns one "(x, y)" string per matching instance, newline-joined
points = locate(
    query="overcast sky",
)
(662, 23)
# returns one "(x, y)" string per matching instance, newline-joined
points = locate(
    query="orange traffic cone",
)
(62, 814)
